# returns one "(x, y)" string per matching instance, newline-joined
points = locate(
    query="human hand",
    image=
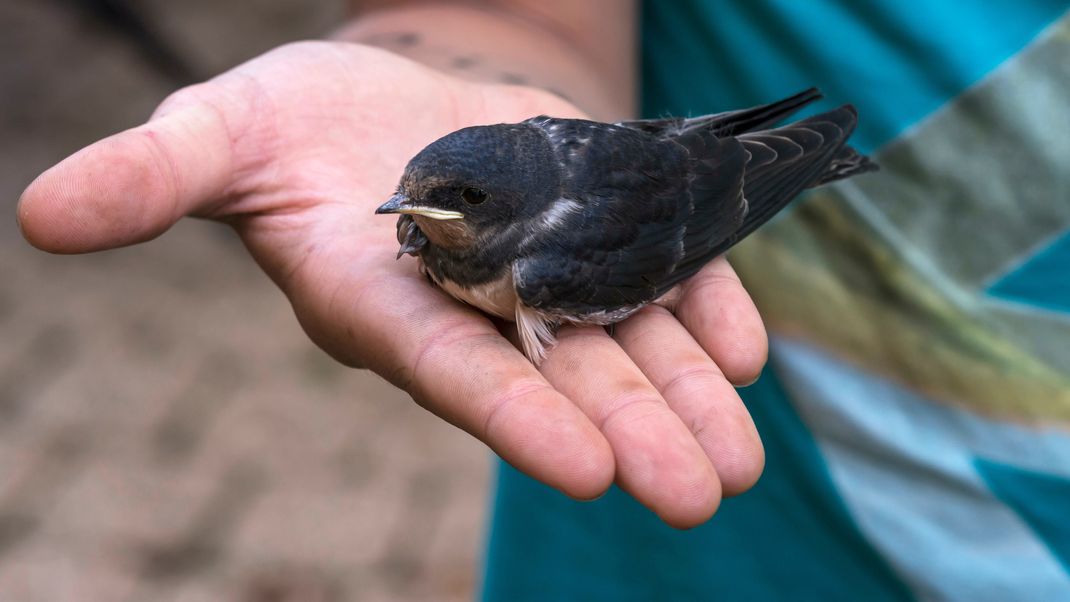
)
(295, 150)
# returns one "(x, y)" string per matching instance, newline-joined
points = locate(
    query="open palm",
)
(296, 148)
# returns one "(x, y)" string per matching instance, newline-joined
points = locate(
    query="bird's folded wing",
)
(645, 210)
(780, 163)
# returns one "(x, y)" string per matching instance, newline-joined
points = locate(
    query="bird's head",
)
(476, 181)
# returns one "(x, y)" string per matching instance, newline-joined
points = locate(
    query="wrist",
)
(494, 45)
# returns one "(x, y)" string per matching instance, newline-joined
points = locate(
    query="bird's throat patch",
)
(446, 234)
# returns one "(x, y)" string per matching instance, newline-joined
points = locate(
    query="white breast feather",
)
(536, 335)
(498, 297)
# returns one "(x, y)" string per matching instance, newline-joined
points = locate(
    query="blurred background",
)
(166, 430)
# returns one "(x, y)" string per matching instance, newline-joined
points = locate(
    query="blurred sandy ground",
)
(166, 431)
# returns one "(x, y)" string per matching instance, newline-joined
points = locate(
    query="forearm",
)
(582, 51)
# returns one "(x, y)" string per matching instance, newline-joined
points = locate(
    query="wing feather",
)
(656, 209)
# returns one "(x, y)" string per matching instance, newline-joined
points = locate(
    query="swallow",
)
(568, 221)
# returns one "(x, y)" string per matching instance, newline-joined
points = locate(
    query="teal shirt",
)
(916, 405)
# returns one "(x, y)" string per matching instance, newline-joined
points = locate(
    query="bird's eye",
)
(474, 196)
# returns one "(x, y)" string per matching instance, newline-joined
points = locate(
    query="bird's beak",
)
(399, 203)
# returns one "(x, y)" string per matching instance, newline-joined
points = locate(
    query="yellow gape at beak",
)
(399, 203)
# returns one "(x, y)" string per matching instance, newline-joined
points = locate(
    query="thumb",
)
(132, 186)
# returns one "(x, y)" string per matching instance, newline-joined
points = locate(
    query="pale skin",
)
(296, 148)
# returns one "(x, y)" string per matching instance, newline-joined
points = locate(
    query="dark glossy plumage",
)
(665, 197)
(590, 221)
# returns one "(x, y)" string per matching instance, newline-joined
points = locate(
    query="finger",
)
(132, 186)
(658, 460)
(698, 392)
(454, 363)
(721, 316)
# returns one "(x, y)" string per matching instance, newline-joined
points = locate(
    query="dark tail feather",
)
(760, 117)
(779, 164)
(848, 162)
(773, 185)
(729, 123)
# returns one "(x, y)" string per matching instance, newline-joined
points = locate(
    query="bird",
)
(554, 221)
